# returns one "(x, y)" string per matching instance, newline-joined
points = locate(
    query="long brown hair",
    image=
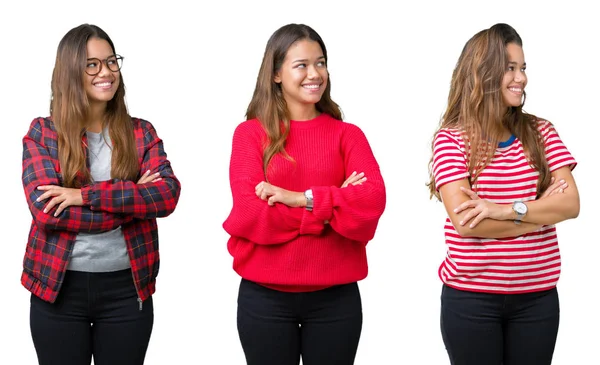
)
(268, 104)
(69, 109)
(475, 106)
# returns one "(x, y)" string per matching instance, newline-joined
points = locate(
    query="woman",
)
(95, 180)
(505, 179)
(307, 197)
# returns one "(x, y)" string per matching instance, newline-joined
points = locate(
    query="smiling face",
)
(515, 79)
(303, 78)
(102, 87)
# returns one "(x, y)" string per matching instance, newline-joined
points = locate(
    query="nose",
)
(520, 76)
(312, 72)
(104, 70)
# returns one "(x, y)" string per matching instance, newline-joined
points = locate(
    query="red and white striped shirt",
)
(522, 264)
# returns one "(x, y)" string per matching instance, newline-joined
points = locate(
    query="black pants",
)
(276, 328)
(95, 314)
(494, 329)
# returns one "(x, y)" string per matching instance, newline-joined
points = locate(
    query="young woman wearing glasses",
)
(95, 180)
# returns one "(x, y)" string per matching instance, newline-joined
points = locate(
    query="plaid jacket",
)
(106, 206)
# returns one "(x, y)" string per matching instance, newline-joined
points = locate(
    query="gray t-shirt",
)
(105, 251)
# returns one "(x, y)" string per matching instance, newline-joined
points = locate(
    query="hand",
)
(481, 209)
(273, 194)
(355, 179)
(146, 178)
(64, 197)
(556, 187)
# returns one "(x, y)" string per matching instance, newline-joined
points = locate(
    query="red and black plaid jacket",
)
(106, 206)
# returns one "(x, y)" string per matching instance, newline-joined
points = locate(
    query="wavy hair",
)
(476, 108)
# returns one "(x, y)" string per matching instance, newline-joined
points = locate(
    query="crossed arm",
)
(115, 202)
(475, 217)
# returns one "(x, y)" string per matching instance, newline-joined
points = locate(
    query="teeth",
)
(311, 86)
(516, 90)
(103, 84)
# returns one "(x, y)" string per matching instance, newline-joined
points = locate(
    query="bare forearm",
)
(491, 228)
(552, 210)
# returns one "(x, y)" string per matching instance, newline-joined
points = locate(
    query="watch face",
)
(520, 208)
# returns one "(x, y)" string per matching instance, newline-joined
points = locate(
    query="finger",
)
(470, 215)
(271, 201)
(47, 187)
(60, 208)
(144, 175)
(156, 180)
(476, 221)
(469, 192)
(44, 196)
(360, 181)
(463, 206)
(52, 203)
(259, 185)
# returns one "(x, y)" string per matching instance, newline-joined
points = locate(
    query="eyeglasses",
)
(93, 66)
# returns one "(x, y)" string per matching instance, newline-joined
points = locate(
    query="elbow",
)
(574, 206)
(575, 211)
(464, 231)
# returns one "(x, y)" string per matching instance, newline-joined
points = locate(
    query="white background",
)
(191, 72)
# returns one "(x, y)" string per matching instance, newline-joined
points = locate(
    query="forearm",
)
(143, 201)
(253, 219)
(353, 211)
(75, 219)
(491, 228)
(552, 210)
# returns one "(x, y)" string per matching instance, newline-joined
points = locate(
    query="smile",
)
(311, 86)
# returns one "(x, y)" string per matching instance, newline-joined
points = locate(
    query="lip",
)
(516, 89)
(103, 84)
(312, 86)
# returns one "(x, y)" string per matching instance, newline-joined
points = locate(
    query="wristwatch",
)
(520, 209)
(309, 199)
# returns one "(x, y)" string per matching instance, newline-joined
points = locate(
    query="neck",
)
(96, 117)
(303, 112)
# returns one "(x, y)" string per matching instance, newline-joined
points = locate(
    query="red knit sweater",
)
(292, 249)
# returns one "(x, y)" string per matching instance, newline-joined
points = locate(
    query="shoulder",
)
(41, 127)
(140, 123)
(543, 125)
(348, 128)
(448, 135)
(251, 127)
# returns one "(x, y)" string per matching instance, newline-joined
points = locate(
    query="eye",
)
(91, 65)
(111, 61)
(301, 65)
(321, 64)
(511, 68)
(523, 69)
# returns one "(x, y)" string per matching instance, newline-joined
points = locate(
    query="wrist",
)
(509, 213)
(308, 200)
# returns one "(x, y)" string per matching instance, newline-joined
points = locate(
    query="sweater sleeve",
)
(252, 218)
(39, 169)
(353, 211)
(143, 201)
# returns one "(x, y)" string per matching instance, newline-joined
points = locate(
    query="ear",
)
(277, 78)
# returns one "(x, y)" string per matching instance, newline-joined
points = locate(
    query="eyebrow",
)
(98, 58)
(306, 60)
(514, 63)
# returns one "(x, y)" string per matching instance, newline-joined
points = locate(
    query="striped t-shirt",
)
(522, 264)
